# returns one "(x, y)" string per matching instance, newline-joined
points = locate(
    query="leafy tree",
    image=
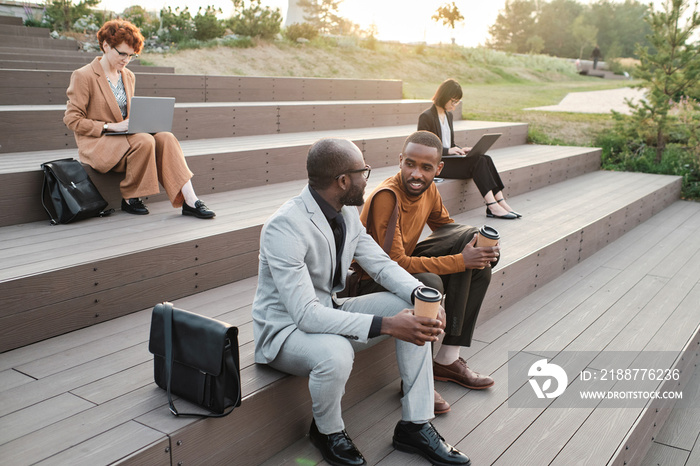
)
(136, 15)
(449, 15)
(669, 73)
(584, 34)
(323, 14)
(524, 24)
(621, 26)
(62, 14)
(207, 25)
(255, 20)
(554, 24)
(514, 26)
(534, 44)
(147, 22)
(176, 26)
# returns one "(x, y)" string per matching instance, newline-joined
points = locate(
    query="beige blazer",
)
(90, 105)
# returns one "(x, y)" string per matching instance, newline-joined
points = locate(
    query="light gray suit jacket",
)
(295, 276)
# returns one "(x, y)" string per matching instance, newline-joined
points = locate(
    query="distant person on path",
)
(438, 120)
(595, 55)
(99, 100)
(447, 259)
(302, 328)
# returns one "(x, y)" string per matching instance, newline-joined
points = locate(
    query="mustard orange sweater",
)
(414, 213)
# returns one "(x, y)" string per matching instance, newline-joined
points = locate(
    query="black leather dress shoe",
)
(425, 440)
(134, 206)
(199, 210)
(337, 449)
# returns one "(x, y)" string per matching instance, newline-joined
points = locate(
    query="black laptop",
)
(456, 165)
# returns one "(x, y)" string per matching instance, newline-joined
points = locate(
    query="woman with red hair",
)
(99, 100)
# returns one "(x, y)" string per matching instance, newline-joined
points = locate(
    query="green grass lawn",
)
(507, 102)
(497, 86)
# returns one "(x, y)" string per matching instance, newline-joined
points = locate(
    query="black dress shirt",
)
(337, 224)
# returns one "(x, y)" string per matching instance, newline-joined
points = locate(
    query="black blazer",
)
(429, 121)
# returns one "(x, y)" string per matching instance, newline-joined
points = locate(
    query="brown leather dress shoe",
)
(441, 406)
(458, 372)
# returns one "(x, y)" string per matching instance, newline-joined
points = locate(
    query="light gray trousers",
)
(327, 360)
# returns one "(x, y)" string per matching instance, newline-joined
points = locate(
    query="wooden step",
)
(39, 259)
(9, 40)
(72, 57)
(70, 66)
(31, 87)
(43, 54)
(676, 442)
(21, 30)
(120, 264)
(11, 20)
(225, 164)
(205, 120)
(98, 403)
(638, 294)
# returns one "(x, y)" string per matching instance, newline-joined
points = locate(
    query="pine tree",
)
(671, 70)
(323, 14)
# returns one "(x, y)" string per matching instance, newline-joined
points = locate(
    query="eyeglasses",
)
(365, 172)
(126, 55)
(455, 101)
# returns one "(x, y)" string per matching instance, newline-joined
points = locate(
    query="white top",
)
(446, 134)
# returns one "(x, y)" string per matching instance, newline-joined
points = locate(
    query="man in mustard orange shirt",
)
(447, 260)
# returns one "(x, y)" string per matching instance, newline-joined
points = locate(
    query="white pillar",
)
(294, 13)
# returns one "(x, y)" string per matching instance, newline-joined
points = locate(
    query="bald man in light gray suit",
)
(303, 329)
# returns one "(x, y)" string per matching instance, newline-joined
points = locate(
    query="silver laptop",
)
(149, 115)
(456, 165)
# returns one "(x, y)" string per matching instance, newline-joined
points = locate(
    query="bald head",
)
(329, 158)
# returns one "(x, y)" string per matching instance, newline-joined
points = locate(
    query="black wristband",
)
(376, 328)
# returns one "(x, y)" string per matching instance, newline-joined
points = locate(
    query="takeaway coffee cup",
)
(427, 302)
(488, 236)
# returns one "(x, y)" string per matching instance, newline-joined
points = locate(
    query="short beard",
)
(354, 196)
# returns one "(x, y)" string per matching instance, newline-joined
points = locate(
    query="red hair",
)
(117, 32)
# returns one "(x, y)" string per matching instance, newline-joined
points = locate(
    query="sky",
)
(399, 20)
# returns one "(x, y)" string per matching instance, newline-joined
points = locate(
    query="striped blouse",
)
(120, 94)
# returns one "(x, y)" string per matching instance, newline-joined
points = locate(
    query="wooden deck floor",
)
(678, 443)
(65, 399)
(640, 293)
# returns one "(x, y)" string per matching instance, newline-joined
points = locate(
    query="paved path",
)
(596, 101)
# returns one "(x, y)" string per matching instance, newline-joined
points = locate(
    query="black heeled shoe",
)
(508, 216)
(512, 211)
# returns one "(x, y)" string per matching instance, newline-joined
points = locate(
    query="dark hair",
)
(327, 159)
(118, 31)
(448, 90)
(424, 138)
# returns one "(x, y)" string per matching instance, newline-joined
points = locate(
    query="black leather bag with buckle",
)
(196, 358)
(72, 194)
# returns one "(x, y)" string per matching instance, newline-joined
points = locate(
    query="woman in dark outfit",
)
(438, 120)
